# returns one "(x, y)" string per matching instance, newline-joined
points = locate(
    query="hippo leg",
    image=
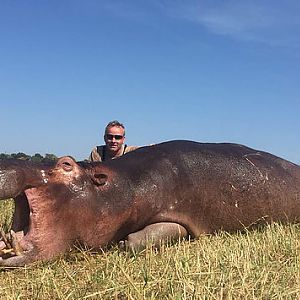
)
(155, 234)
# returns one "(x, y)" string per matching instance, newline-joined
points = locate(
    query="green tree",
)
(50, 157)
(37, 157)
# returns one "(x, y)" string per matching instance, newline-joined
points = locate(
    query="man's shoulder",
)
(130, 148)
(97, 153)
(98, 149)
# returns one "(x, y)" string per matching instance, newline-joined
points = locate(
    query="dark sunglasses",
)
(116, 136)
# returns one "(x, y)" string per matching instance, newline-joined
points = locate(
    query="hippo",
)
(164, 192)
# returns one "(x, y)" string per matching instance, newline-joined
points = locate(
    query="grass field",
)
(255, 265)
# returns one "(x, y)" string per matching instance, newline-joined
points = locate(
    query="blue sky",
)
(209, 71)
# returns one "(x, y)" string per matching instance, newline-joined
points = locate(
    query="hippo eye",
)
(67, 166)
(67, 163)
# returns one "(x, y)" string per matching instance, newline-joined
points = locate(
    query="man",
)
(114, 138)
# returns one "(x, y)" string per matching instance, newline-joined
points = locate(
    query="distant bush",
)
(35, 158)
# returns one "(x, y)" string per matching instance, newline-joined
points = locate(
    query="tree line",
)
(37, 157)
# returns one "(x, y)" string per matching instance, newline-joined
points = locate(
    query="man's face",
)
(114, 138)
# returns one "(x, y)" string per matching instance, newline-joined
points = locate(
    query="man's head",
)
(114, 136)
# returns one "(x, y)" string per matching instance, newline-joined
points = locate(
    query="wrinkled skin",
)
(163, 192)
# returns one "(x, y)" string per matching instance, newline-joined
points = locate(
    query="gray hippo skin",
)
(163, 192)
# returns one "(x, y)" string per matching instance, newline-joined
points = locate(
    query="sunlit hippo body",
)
(167, 191)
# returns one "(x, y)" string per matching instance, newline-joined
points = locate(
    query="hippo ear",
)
(99, 178)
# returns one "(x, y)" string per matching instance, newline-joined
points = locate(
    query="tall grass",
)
(255, 265)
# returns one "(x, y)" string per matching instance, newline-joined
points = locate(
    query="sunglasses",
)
(116, 136)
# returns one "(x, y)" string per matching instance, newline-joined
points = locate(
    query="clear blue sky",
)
(209, 71)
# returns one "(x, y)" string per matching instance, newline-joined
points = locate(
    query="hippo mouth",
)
(39, 191)
(19, 244)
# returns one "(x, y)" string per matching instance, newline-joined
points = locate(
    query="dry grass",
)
(256, 265)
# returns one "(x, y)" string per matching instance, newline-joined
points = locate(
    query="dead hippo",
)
(167, 191)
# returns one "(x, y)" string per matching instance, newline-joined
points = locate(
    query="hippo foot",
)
(156, 234)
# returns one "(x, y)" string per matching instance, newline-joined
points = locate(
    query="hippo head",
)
(49, 201)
